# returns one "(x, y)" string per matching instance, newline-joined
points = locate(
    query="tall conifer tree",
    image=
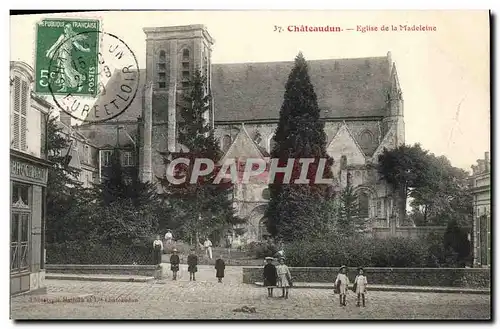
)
(297, 211)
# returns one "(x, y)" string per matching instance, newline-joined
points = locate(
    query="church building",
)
(360, 100)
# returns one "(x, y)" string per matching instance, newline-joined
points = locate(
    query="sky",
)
(444, 74)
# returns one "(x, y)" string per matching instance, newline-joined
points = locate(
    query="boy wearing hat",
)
(174, 263)
(341, 284)
(270, 276)
(360, 284)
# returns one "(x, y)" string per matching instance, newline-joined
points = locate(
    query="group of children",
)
(279, 276)
(359, 286)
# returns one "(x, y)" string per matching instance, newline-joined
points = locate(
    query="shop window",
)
(21, 196)
(19, 241)
(20, 227)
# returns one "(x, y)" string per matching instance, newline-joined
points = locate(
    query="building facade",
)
(481, 194)
(82, 154)
(28, 181)
(360, 100)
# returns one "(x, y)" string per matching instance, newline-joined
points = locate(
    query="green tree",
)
(299, 211)
(202, 207)
(437, 189)
(348, 212)
(67, 200)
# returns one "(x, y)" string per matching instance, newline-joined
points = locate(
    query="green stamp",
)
(67, 57)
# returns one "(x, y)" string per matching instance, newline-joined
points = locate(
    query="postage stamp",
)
(105, 90)
(69, 45)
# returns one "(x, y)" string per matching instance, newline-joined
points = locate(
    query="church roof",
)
(344, 87)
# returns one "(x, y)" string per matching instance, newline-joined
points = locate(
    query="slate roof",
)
(254, 91)
(344, 87)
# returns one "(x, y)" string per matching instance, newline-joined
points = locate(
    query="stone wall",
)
(140, 270)
(442, 277)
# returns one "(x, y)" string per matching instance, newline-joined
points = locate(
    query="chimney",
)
(487, 161)
(65, 118)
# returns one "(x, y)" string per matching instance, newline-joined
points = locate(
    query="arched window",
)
(343, 162)
(366, 141)
(162, 70)
(363, 204)
(226, 143)
(272, 143)
(186, 67)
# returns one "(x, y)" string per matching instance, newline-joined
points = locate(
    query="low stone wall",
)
(442, 277)
(137, 270)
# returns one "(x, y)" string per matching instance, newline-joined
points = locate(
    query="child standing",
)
(174, 263)
(341, 284)
(157, 250)
(284, 277)
(360, 284)
(270, 276)
(220, 266)
(192, 261)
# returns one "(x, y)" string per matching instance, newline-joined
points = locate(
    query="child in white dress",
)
(341, 284)
(360, 284)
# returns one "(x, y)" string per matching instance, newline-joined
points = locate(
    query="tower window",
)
(186, 68)
(162, 70)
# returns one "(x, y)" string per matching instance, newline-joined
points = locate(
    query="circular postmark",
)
(93, 76)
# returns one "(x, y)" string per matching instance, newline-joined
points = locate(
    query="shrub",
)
(88, 252)
(262, 249)
(363, 251)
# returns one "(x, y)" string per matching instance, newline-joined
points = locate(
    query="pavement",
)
(399, 288)
(207, 299)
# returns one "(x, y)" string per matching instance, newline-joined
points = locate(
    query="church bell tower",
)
(172, 55)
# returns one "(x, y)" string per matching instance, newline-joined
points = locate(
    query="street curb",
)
(98, 278)
(449, 290)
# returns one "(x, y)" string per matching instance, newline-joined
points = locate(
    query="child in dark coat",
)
(192, 261)
(220, 266)
(174, 263)
(270, 276)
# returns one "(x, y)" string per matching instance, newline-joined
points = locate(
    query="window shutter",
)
(43, 136)
(24, 98)
(23, 133)
(17, 94)
(16, 131)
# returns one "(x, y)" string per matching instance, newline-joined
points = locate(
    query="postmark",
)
(68, 42)
(112, 80)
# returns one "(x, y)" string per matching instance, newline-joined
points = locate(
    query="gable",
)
(243, 147)
(389, 142)
(344, 144)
